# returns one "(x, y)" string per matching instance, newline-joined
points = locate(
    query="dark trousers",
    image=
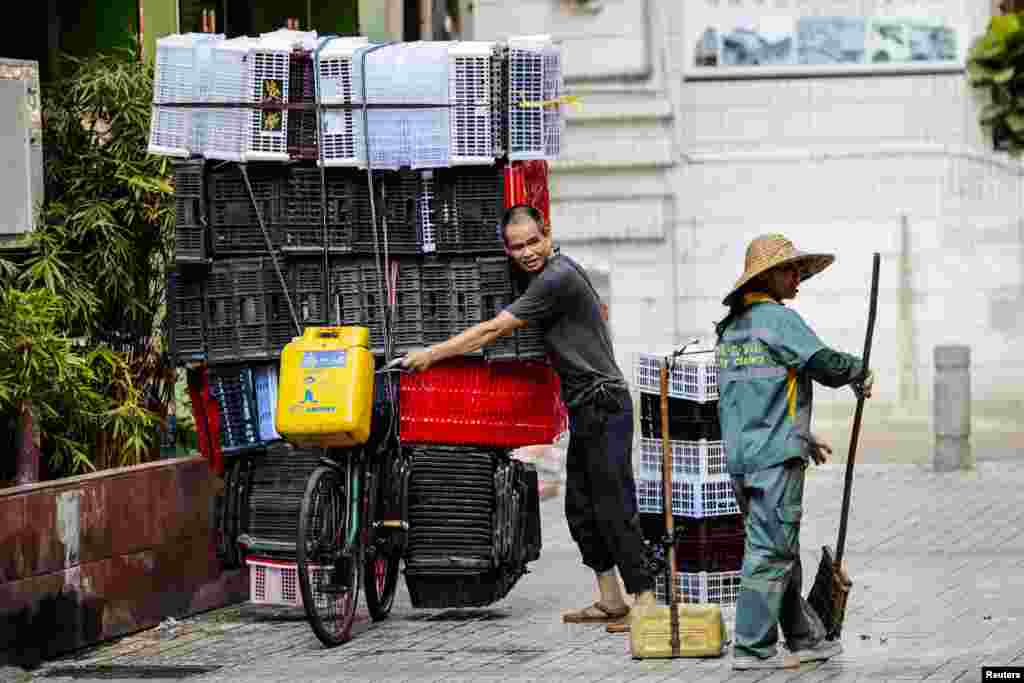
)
(600, 495)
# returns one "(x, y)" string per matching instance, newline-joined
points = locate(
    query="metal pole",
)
(952, 408)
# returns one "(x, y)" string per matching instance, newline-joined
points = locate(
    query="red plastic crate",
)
(526, 182)
(467, 401)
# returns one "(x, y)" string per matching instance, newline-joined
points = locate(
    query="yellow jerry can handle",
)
(349, 335)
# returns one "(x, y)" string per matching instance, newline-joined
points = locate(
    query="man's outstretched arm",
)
(465, 342)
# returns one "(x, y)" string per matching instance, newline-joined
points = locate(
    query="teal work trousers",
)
(770, 588)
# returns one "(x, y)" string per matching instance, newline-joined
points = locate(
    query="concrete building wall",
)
(664, 179)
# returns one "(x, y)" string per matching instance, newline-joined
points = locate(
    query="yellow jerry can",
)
(326, 388)
(701, 632)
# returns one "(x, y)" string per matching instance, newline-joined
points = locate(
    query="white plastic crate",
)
(426, 220)
(554, 121)
(265, 378)
(268, 63)
(694, 376)
(408, 74)
(721, 588)
(181, 69)
(276, 582)
(305, 40)
(469, 91)
(535, 76)
(337, 69)
(689, 458)
(227, 129)
(698, 497)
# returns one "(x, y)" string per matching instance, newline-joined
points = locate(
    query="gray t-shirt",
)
(561, 301)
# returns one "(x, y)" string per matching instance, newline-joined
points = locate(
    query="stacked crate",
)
(709, 532)
(455, 132)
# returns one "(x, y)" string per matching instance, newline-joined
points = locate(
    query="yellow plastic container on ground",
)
(325, 395)
(701, 632)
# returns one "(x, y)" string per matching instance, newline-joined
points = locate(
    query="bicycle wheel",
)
(328, 567)
(380, 577)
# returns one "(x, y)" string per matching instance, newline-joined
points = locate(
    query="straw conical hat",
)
(769, 251)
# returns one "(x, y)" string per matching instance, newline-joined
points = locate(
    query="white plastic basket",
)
(721, 588)
(181, 69)
(469, 91)
(227, 129)
(276, 582)
(268, 65)
(535, 75)
(689, 458)
(337, 71)
(694, 376)
(305, 40)
(707, 497)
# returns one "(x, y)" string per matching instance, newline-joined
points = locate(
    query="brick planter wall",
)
(90, 558)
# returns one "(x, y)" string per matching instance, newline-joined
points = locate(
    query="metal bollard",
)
(952, 408)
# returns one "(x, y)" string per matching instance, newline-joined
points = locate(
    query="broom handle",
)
(666, 482)
(872, 310)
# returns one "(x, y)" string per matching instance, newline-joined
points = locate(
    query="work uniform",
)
(600, 494)
(768, 357)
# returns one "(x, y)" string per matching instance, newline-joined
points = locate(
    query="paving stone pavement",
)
(937, 562)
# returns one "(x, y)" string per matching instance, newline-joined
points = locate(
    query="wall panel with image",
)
(733, 42)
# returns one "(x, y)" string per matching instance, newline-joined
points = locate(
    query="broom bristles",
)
(829, 594)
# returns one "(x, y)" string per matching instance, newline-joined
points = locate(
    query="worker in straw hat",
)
(767, 358)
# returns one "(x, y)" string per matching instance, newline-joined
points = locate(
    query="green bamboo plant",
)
(995, 65)
(81, 362)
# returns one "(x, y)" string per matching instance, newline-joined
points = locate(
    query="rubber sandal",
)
(595, 614)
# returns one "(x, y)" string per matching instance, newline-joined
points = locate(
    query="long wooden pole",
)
(848, 484)
(666, 479)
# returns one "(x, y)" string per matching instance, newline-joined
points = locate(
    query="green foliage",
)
(995, 65)
(96, 273)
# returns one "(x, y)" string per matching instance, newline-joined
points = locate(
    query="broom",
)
(832, 585)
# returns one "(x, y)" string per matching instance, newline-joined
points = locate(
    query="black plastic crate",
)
(240, 310)
(306, 292)
(185, 303)
(346, 198)
(687, 420)
(357, 293)
(234, 226)
(302, 136)
(711, 544)
(307, 287)
(397, 201)
(466, 209)
(452, 499)
(233, 389)
(450, 296)
(431, 591)
(189, 212)
(278, 481)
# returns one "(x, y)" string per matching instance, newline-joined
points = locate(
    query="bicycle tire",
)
(328, 579)
(380, 582)
(380, 574)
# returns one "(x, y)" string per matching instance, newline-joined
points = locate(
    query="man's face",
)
(527, 245)
(783, 282)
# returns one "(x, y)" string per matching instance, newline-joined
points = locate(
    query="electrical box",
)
(21, 145)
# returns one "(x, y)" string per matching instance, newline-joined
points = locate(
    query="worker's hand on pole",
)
(820, 450)
(863, 388)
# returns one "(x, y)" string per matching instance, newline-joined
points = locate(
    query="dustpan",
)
(674, 630)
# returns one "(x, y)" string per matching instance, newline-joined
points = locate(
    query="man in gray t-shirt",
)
(600, 497)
